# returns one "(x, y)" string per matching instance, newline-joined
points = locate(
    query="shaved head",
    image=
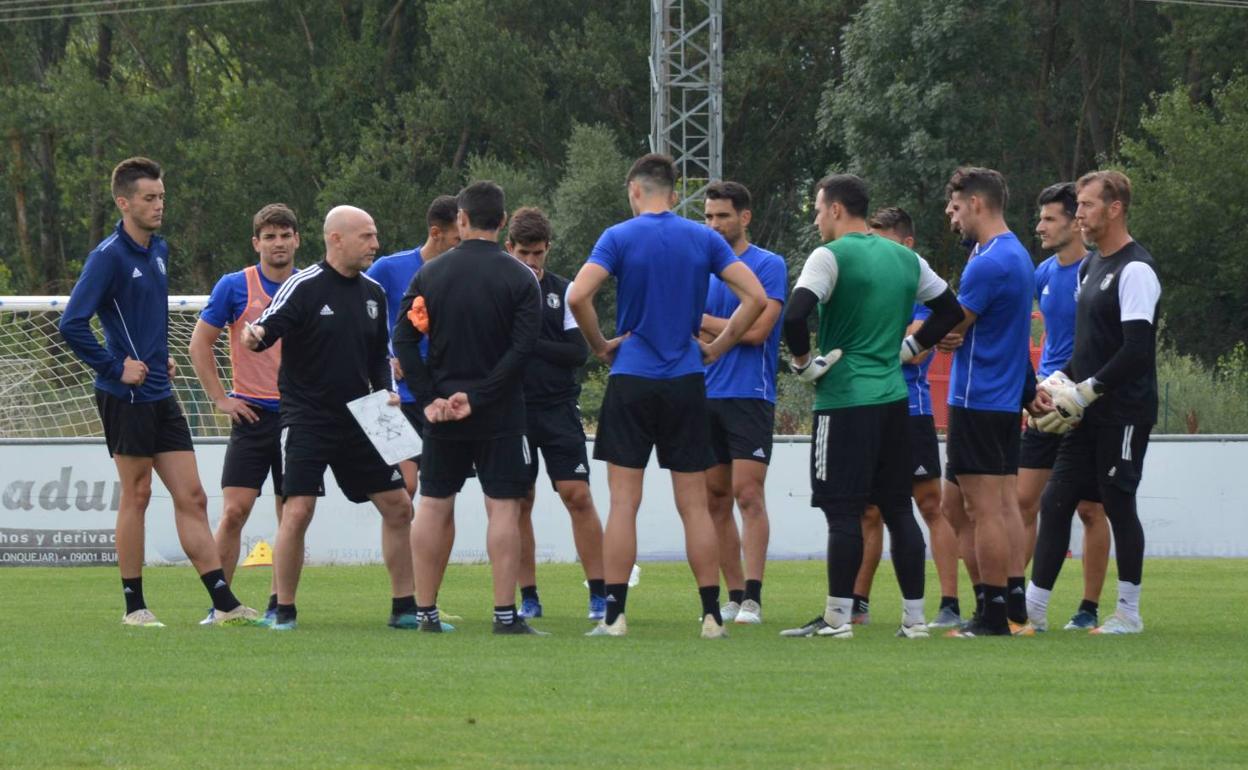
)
(350, 239)
(342, 219)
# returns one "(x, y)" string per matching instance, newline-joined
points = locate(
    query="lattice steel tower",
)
(687, 93)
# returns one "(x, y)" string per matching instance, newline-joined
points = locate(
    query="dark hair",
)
(1115, 186)
(483, 204)
(130, 171)
(982, 182)
(729, 191)
(893, 218)
(654, 172)
(442, 211)
(846, 189)
(274, 215)
(529, 225)
(1063, 193)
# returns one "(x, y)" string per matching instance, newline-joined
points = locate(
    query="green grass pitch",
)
(79, 690)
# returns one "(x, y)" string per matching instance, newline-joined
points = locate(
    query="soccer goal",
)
(46, 392)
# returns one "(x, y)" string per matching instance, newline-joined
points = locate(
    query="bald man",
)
(334, 322)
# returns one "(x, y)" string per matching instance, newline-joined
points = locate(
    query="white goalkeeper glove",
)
(1054, 382)
(911, 349)
(1071, 400)
(816, 367)
(1050, 422)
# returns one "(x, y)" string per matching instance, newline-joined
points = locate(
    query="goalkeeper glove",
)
(1054, 382)
(911, 349)
(1071, 400)
(816, 367)
(1051, 422)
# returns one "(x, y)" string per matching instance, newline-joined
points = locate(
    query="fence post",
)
(1165, 416)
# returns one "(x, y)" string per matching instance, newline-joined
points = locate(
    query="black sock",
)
(402, 605)
(952, 603)
(223, 599)
(528, 593)
(736, 595)
(995, 607)
(710, 602)
(754, 591)
(286, 613)
(1016, 599)
(597, 587)
(132, 590)
(429, 614)
(979, 600)
(505, 615)
(617, 595)
(1087, 606)
(272, 603)
(862, 605)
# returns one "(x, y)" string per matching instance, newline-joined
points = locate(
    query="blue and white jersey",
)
(991, 365)
(920, 392)
(748, 371)
(394, 272)
(1056, 287)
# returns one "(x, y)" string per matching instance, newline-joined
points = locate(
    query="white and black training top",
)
(1115, 290)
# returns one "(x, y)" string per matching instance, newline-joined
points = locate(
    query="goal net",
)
(47, 392)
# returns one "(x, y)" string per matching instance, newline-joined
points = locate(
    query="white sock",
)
(1037, 603)
(912, 612)
(838, 610)
(1129, 599)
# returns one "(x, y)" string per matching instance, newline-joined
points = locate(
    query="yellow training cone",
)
(260, 556)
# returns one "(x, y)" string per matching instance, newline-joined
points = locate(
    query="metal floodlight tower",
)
(687, 93)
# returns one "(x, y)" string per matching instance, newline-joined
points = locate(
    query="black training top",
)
(1116, 312)
(550, 376)
(483, 313)
(335, 347)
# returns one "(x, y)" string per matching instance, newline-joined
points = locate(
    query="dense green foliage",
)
(345, 691)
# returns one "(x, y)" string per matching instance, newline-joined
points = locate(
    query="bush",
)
(1194, 399)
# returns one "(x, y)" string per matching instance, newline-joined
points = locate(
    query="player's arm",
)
(75, 325)
(282, 314)
(380, 375)
(570, 350)
(204, 362)
(947, 314)
(759, 330)
(581, 301)
(526, 325)
(406, 344)
(743, 283)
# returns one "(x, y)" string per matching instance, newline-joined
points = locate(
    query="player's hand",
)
(1051, 423)
(239, 410)
(815, 366)
(397, 369)
(173, 368)
(1071, 400)
(459, 406)
(393, 400)
(133, 372)
(911, 350)
(607, 353)
(950, 343)
(438, 410)
(252, 335)
(1041, 405)
(709, 354)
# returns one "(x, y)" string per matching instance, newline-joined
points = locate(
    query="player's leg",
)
(236, 505)
(983, 497)
(701, 542)
(719, 500)
(297, 512)
(953, 508)
(444, 467)
(891, 482)
(872, 551)
(1031, 483)
(1019, 553)
(944, 546)
(1073, 479)
(1096, 540)
(305, 454)
(1120, 463)
(395, 508)
(505, 468)
(619, 552)
(526, 570)
(749, 478)
(587, 537)
(411, 472)
(134, 475)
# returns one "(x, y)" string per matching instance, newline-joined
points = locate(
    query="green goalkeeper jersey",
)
(866, 286)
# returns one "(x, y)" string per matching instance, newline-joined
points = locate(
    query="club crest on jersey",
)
(553, 300)
(372, 308)
(160, 263)
(1107, 281)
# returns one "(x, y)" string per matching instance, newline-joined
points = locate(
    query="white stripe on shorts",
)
(821, 448)
(524, 445)
(1127, 432)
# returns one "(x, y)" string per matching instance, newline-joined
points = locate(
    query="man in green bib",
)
(864, 287)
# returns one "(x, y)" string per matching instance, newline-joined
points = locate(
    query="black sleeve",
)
(796, 329)
(525, 327)
(1029, 384)
(379, 373)
(946, 314)
(406, 344)
(571, 352)
(282, 314)
(1134, 359)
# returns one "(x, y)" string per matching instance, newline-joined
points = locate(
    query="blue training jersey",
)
(748, 371)
(127, 286)
(990, 366)
(920, 392)
(662, 265)
(394, 272)
(226, 303)
(1056, 285)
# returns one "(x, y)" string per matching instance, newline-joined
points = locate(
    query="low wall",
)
(58, 500)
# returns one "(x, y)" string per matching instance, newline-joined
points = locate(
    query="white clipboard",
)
(386, 427)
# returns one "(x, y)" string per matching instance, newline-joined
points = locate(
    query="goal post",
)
(47, 392)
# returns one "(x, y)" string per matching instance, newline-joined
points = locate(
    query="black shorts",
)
(860, 455)
(1038, 449)
(924, 448)
(741, 429)
(414, 415)
(503, 465)
(308, 449)
(1093, 457)
(254, 452)
(982, 443)
(556, 432)
(145, 429)
(639, 413)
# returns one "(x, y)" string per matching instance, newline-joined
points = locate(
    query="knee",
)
(750, 500)
(296, 515)
(193, 502)
(234, 516)
(844, 524)
(577, 500)
(140, 493)
(1058, 499)
(1090, 513)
